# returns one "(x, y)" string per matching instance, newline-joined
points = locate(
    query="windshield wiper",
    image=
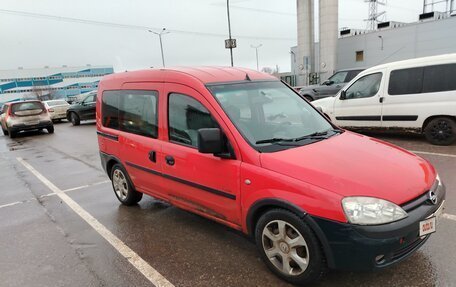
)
(317, 135)
(274, 140)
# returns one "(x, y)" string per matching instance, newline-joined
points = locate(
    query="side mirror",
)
(210, 141)
(343, 95)
(328, 82)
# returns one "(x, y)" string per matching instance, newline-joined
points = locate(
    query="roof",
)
(423, 61)
(204, 75)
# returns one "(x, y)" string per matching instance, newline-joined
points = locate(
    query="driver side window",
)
(364, 87)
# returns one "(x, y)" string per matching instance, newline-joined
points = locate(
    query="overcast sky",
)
(198, 29)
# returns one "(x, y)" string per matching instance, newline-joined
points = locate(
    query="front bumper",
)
(355, 247)
(23, 127)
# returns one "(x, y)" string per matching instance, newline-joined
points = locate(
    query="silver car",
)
(57, 109)
(25, 115)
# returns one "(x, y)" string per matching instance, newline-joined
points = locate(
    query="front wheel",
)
(441, 131)
(289, 247)
(50, 129)
(122, 186)
(74, 118)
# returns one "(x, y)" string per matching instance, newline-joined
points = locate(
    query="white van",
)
(417, 95)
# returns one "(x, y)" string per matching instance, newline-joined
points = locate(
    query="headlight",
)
(437, 178)
(370, 210)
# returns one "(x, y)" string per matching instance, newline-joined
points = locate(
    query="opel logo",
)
(433, 197)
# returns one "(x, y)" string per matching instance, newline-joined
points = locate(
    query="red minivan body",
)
(351, 201)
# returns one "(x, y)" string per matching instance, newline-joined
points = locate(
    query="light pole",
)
(229, 30)
(256, 52)
(162, 32)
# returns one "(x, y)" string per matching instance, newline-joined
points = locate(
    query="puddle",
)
(16, 145)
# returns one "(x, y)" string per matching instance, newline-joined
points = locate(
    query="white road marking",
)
(449, 216)
(140, 264)
(11, 204)
(433, 153)
(86, 186)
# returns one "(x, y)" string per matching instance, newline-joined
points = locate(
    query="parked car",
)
(82, 111)
(330, 87)
(413, 95)
(25, 115)
(57, 109)
(244, 149)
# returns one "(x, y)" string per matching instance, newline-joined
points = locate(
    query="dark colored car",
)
(82, 111)
(331, 86)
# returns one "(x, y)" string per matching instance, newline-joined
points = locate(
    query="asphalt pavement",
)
(44, 241)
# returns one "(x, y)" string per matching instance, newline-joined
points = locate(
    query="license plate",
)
(427, 226)
(31, 123)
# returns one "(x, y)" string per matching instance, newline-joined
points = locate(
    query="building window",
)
(359, 56)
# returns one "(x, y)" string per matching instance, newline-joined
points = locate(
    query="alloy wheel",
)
(120, 184)
(285, 247)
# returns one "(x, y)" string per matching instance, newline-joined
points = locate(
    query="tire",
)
(74, 119)
(123, 189)
(309, 98)
(50, 129)
(441, 131)
(306, 261)
(12, 134)
(5, 132)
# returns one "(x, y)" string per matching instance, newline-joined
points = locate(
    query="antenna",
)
(247, 78)
(374, 15)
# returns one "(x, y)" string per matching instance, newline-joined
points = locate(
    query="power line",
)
(128, 26)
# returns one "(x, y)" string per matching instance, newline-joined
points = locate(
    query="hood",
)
(324, 103)
(350, 164)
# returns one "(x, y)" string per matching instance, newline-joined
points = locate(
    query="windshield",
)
(269, 113)
(56, 103)
(338, 77)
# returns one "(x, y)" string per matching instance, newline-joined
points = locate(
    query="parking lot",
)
(62, 225)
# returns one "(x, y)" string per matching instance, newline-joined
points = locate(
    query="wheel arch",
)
(261, 206)
(430, 118)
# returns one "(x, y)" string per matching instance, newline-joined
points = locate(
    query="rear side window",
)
(406, 81)
(132, 111)
(186, 117)
(351, 75)
(439, 78)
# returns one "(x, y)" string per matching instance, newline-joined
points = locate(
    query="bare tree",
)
(43, 93)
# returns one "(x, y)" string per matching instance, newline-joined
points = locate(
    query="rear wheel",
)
(289, 247)
(5, 132)
(12, 134)
(74, 118)
(441, 131)
(122, 186)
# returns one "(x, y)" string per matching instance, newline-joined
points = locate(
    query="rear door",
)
(138, 135)
(27, 113)
(201, 182)
(362, 106)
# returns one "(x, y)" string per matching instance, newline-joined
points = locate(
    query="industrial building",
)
(347, 48)
(45, 83)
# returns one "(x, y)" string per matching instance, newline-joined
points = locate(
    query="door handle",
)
(169, 160)
(381, 99)
(153, 156)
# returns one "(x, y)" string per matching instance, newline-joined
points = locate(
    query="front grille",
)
(420, 200)
(398, 254)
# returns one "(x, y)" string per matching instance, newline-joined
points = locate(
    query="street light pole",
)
(229, 29)
(162, 32)
(256, 52)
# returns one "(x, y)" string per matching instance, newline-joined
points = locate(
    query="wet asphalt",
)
(44, 243)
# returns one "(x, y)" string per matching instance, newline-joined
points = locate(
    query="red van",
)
(244, 149)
